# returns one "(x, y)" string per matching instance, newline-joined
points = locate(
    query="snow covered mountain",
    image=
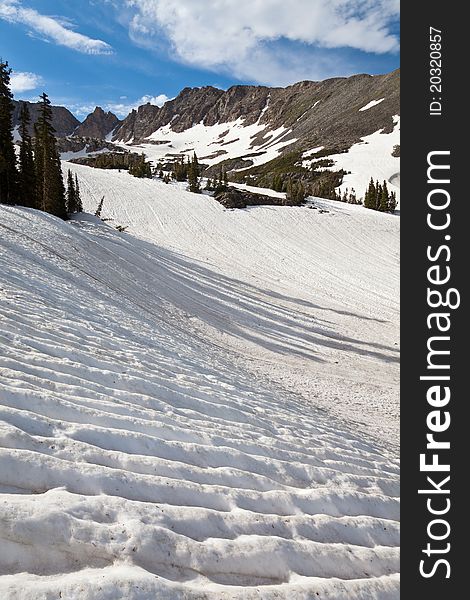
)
(203, 407)
(334, 113)
(346, 125)
(256, 133)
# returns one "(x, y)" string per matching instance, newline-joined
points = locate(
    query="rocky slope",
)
(326, 113)
(62, 119)
(98, 124)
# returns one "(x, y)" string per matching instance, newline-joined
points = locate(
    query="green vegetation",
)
(139, 167)
(377, 197)
(8, 171)
(74, 201)
(48, 171)
(193, 172)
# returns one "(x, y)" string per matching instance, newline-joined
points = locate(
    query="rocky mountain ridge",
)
(97, 124)
(326, 113)
(63, 121)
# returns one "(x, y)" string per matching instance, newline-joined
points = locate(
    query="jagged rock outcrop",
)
(187, 109)
(97, 124)
(63, 120)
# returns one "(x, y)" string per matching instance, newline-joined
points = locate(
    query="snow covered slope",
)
(372, 157)
(215, 143)
(154, 443)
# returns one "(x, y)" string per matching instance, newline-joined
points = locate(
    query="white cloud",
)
(24, 82)
(51, 28)
(242, 36)
(121, 109)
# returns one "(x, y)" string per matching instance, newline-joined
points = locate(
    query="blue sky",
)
(121, 53)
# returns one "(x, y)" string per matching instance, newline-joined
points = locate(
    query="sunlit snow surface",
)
(202, 407)
(371, 157)
(371, 104)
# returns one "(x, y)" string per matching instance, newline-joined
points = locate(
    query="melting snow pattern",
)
(140, 457)
(371, 104)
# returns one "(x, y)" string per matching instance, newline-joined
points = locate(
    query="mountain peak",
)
(97, 124)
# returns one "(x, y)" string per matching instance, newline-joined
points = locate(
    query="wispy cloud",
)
(24, 82)
(251, 38)
(53, 29)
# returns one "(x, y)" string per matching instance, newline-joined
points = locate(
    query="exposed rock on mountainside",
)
(63, 120)
(233, 198)
(82, 143)
(97, 124)
(326, 113)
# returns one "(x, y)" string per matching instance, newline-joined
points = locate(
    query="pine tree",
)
(180, 170)
(49, 181)
(100, 208)
(193, 175)
(370, 195)
(139, 167)
(26, 175)
(392, 203)
(352, 197)
(8, 171)
(384, 198)
(378, 196)
(78, 196)
(71, 201)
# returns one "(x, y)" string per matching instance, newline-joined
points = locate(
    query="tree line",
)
(34, 179)
(377, 197)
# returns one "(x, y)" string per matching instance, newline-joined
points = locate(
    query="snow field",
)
(168, 400)
(214, 143)
(372, 157)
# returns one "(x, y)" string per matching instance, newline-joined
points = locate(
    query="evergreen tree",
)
(370, 195)
(8, 172)
(78, 196)
(180, 170)
(378, 196)
(295, 192)
(352, 197)
(384, 198)
(74, 202)
(139, 167)
(49, 181)
(221, 181)
(27, 179)
(70, 193)
(193, 175)
(100, 208)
